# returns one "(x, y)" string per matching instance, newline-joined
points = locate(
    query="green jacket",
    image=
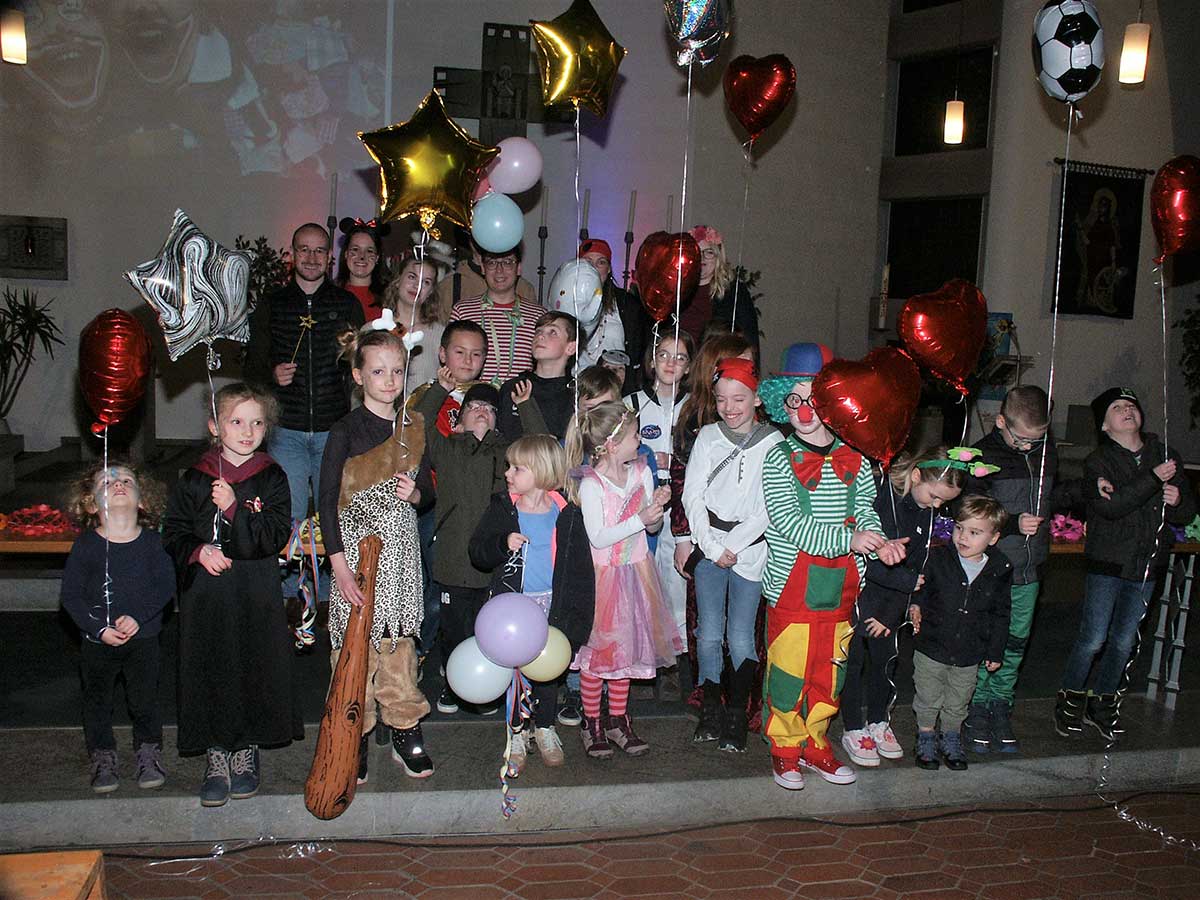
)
(468, 472)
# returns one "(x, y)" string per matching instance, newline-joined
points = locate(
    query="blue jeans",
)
(299, 455)
(1113, 609)
(714, 626)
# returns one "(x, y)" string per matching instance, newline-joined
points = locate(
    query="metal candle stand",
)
(543, 233)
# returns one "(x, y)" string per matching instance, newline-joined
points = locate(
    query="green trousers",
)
(1001, 684)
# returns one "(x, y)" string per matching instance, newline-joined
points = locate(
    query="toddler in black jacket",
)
(960, 619)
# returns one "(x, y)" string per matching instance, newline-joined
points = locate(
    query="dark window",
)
(924, 87)
(917, 5)
(932, 241)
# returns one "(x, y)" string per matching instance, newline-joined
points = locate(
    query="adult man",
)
(507, 319)
(467, 281)
(293, 349)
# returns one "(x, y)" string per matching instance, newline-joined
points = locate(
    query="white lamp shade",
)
(12, 36)
(953, 131)
(1134, 53)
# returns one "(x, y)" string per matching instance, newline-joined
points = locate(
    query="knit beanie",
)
(1101, 404)
(484, 392)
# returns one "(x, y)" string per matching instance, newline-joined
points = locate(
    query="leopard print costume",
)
(399, 591)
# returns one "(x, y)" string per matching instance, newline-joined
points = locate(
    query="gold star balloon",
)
(578, 58)
(428, 166)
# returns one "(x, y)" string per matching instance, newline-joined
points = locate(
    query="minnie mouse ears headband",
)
(348, 224)
(966, 459)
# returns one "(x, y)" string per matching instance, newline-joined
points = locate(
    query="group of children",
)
(553, 487)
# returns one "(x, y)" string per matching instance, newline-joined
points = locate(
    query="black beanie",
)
(1101, 404)
(482, 391)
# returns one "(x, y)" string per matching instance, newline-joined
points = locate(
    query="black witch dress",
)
(235, 656)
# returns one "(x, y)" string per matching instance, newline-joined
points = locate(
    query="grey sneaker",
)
(104, 771)
(214, 790)
(243, 773)
(150, 771)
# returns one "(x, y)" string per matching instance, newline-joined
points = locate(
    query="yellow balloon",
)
(578, 58)
(428, 165)
(552, 661)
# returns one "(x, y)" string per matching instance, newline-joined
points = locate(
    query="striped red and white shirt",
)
(509, 330)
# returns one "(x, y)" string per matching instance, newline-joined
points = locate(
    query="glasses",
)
(667, 356)
(368, 253)
(1027, 443)
(311, 251)
(795, 401)
(479, 405)
(507, 264)
(708, 253)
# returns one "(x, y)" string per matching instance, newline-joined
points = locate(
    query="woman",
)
(360, 264)
(623, 324)
(721, 297)
(412, 300)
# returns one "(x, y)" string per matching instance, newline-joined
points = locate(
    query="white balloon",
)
(576, 289)
(473, 677)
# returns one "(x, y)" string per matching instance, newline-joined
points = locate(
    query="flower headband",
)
(968, 459)
(704, 233)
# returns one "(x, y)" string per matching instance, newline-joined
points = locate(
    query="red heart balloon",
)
(114, 360)
(1175, 206)
(665, 261)
(945, 330)
(757, 90)
(869, 404)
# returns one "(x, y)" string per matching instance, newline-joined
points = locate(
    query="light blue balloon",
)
(497, 223)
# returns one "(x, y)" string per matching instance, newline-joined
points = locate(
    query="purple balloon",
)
(511, 630)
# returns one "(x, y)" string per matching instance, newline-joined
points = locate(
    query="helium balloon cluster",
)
(511, 632)
(497, 223)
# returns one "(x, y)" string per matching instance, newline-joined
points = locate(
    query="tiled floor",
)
(1070, 848)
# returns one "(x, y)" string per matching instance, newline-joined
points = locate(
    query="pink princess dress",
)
(634, 631)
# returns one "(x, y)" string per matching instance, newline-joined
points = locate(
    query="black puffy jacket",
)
(964, 624)
(887, 590)
(319, 393)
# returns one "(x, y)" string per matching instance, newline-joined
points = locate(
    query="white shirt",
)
(653, 426)
(735, 495)
(609, 335)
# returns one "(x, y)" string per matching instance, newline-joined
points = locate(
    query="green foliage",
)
(269, 268)
(24, 324)
(1190, 360)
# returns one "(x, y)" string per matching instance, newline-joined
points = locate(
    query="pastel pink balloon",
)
(517, 168)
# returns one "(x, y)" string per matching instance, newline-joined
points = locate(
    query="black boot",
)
(1068, 713)
(683, 666)
(364, 756)
(709, 728)
(1101, 713)
(408, 749)
(733, 732)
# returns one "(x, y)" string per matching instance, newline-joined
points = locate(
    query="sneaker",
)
(518, 752)
(951, 747)
(408, 749)
(549, 745)
(1068, 713)
(619, 730)
(486, 709)
(447, 702)
(595, 741)
(825, 764)
(787, 773)
(1102, 712)
(925, 754)
(150, 771)
(860, 747)
(977, 729)
(214, 790)
(104, 771)
(1004, 739)
(886, 744)
(364, 758)
(569, 712)
(243, 773)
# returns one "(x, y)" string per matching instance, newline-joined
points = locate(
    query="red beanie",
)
(595, 245)
(739, 370)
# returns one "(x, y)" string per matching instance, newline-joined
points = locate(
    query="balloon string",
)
(419, 254)
(212, 402)
(687, 140)
(742, 229)
(578, 230)
(1062, 220)
(104, 502)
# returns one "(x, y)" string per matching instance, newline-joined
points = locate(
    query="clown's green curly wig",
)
(773, 391)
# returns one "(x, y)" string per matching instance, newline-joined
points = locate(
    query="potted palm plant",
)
(25, 324)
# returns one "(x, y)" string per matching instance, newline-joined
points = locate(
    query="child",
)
(919, 485)
(556, 336)
(1127, 550)
(470, 468)
(120, 631)
(227, 521)
(632, 634)
(820, 501)
(389, 510)
(535, 543)
(960, 619)
(723, 499)
(667, 364)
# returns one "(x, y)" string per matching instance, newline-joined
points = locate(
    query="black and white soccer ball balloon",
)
(1068, 48)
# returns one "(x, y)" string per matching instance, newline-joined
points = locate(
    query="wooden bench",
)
(69, 875)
